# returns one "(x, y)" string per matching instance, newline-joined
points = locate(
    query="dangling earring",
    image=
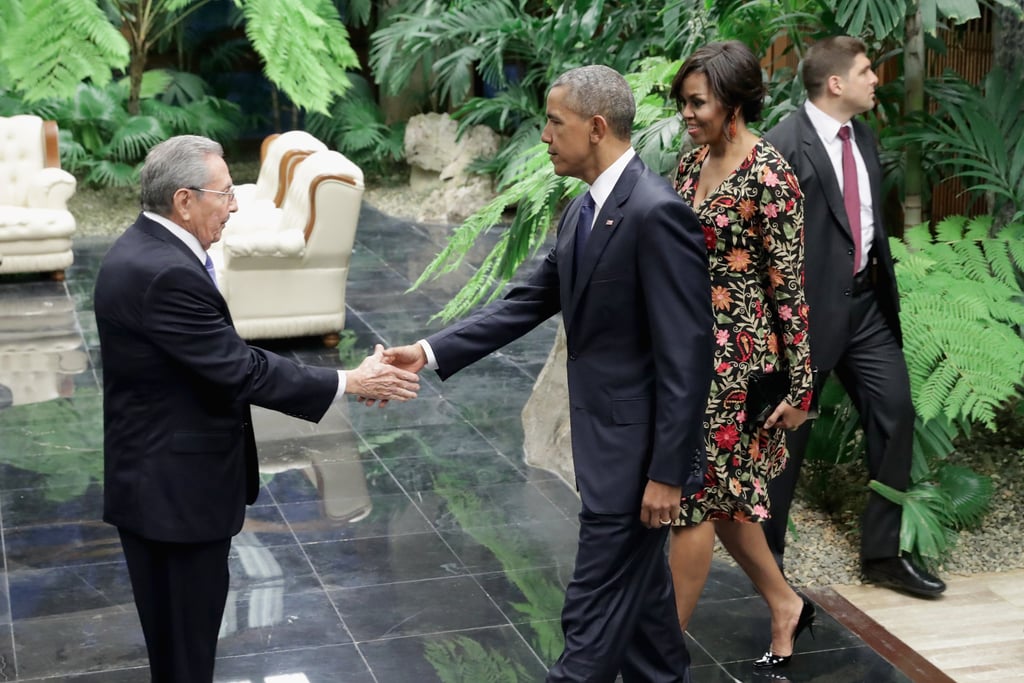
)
(732, 128)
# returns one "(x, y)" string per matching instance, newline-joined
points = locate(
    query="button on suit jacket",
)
(638, 323)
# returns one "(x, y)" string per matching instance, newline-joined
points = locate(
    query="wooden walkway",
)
(974, 633)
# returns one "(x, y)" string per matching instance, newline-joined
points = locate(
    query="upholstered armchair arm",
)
(283, 244)
(50, 188)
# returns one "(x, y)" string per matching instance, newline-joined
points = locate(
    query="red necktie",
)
(851, 194)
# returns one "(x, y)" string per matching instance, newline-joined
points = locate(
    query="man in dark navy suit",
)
(851, 289)
(629, 274)
(179, 453)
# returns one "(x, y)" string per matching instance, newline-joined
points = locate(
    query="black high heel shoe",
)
(806, 621)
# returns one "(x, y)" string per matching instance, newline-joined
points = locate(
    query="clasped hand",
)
(377, 380)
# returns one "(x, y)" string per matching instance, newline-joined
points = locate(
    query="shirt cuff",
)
(342, 382)
(431, 359)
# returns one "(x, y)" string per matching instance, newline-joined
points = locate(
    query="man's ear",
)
(835, 84)
(598, 128)
(182, 201)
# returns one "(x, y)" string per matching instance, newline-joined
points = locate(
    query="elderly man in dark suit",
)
(629, 274)
(851, 289)
(179, 454)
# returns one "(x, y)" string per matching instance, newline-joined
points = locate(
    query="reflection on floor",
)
(404, 544)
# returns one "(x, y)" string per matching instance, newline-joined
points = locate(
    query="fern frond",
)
(304, 47)
(46, 58)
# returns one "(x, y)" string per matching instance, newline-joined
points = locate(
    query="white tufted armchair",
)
(35, 224)
(286, 276)
(279, 156)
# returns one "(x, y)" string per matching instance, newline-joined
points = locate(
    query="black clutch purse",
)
(765, 390)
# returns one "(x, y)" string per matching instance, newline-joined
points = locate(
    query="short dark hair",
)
(832, 56)
(734, 76)
(598, 90)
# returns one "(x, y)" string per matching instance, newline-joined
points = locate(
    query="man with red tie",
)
(854, 304)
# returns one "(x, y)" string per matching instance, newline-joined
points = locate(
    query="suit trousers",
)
(873, 372)
(619, 612)
(180, 591)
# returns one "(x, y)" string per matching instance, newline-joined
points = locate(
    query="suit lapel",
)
(825, 172)
(157, 231)
(605, 225)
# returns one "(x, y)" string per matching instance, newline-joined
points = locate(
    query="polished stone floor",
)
(409, 544)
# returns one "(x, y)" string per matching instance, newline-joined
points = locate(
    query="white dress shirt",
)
(192, 242)
(827, 129)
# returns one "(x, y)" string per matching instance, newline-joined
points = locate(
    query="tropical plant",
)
(48, 50)
(962, 312)
(48, 47)
(355, 126)
(104, 145)
(976, 134)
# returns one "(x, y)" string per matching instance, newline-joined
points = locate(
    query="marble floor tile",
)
(473, 655)
(415, 608)
(375, 561)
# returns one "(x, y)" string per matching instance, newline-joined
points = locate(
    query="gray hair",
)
(173, 164)
(600, 91)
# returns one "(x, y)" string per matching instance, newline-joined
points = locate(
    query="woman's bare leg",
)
(689, 556)
(747, 544)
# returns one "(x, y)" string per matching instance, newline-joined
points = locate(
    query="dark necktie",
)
(583, 224)
(851, 194)
(209, 270)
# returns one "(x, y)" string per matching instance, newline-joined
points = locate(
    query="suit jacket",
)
(638, 325)
(179, 454)
(828, 242)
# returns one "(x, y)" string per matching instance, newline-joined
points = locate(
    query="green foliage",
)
(977, 134)
(881, 17)
(104, 145)
(836, 436)
(536, 191)
(48, 47)
(304, 46)
(932, 512)
(355, 126)
(963, 308)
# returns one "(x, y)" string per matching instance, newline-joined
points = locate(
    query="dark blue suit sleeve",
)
(676, 284)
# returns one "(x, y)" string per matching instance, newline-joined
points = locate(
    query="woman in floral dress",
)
(750, 206)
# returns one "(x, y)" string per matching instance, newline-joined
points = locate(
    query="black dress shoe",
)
(901, 574)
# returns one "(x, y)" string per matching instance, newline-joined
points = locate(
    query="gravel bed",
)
(824, 549)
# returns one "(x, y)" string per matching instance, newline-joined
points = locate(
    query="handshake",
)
(387, 375)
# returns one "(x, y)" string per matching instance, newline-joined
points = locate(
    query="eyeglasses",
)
(230, 194)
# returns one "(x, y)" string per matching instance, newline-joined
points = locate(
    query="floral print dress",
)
(753, 227)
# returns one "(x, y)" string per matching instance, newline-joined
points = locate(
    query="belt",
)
(862, 281)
